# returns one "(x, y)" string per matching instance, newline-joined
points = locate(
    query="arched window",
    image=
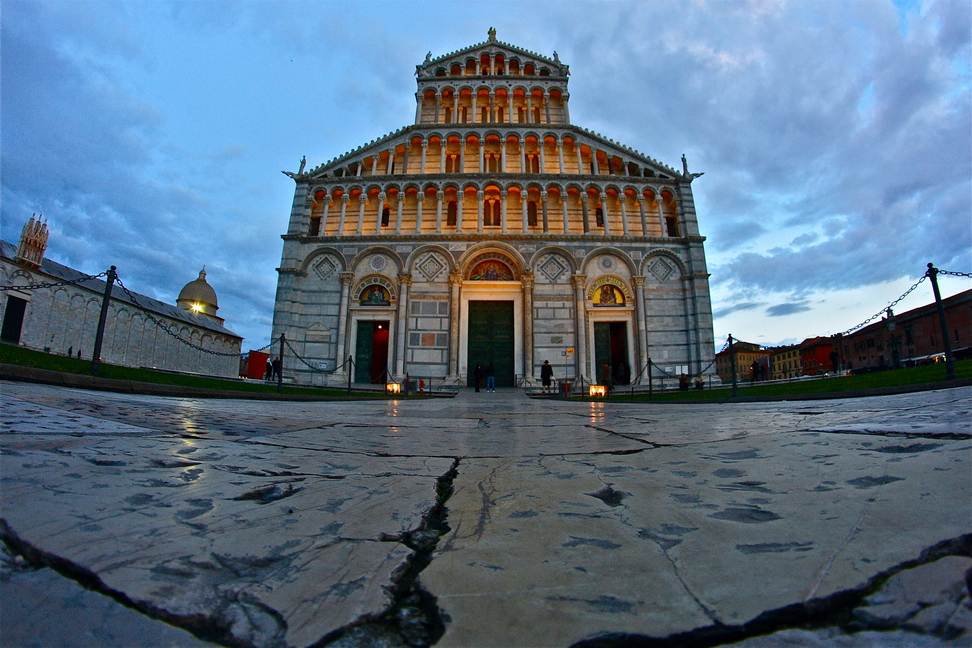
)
(452, 213)
(492, 163)
(492, 213)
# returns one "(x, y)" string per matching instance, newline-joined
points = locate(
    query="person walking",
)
(546, 373)
(490, 378)
(268, 371)
(277, 368)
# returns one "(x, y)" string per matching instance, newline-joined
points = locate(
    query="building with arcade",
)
(492, 230)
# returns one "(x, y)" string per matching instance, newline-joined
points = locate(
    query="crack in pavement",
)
(836, 611)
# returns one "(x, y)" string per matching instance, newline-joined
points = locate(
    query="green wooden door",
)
(490, 339)
(362, 352)
(602, 351)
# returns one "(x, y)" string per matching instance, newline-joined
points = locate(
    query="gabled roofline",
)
(492, 43)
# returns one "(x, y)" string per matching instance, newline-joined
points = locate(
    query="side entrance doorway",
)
(611, 353)
(371, 352)
(13, 319)
(490, 339)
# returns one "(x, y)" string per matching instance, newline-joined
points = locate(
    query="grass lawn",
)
(893, 378)
(15, 355)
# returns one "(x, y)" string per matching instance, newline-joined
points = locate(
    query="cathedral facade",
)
(492, 230)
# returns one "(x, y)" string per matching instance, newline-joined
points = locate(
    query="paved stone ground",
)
(485, 520)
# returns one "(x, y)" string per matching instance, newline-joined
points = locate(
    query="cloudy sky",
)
(835, 137)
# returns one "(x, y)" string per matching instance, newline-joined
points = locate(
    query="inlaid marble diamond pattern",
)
(324, 267)
(661, 269)
(430, 266)
(552, 267)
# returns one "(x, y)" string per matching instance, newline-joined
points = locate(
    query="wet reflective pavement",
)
(486, 520)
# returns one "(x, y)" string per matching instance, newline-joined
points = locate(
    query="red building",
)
(910, 338)
(815, 356)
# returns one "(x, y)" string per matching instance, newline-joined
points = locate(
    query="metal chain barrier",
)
(955, 274)
(297, 355)
(54, 284)
(165, 328)
(885, 309)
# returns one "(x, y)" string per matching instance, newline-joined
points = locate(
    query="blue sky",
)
(835, 137)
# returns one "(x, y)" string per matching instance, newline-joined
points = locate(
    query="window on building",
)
(907, 336)
(384, 216)
(315, 226)
(532, 213)
(452, 213)
(492, 163)
(671, 224)
(491, 212)
(452, 163)
(499, 114)
(521, 115)
(599, 217)
(464, 115)
(536, 114)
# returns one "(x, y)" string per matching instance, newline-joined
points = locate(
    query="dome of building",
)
(199, 297)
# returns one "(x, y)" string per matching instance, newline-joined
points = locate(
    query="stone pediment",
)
(491, 46)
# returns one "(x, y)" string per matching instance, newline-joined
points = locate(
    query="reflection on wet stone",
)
(506, 522)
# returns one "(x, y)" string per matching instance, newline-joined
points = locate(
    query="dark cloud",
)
(726, 310)
(781, 310)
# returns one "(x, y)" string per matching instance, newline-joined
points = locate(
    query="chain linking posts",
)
(949, 360)
(100, 334)
(732, 361)
(283, 340)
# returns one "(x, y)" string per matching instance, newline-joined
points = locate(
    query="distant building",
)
(493, 230)
(815, 356)
(910, 338)
(64, 318)
(746, 354)
(785, 362)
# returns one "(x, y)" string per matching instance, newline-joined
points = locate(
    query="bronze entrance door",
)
(490, 339)
(611, 353)
(371, 353)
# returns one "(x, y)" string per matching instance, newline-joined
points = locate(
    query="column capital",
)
(503, 193)
(424, 143)
(406, 280)
(381, 196)
(347, 278)
(455, 278)
(346, 199)
(639, 282)
(527, 278)
(579, 281)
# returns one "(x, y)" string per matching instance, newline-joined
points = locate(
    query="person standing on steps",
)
(490, 378)
(546, 373)
(477, 376)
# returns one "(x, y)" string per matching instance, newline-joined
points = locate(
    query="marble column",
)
(624, 214)
(560, 153)
(438, 211)
(381, 208)
(527, 281)
(580, 325)
(597, 168)
(460, 200)
(661, 215)
(419, 202)
(391, 162)
(479, 211)
(546, 106)
(398, 215)
(580, 158)
(503, 156)
(584, 198)
(607, 214)
(374, 164)
(525, 200)
(327, 209)
(639, 285)
(644, 221)
(472, 99)
(362, 199)
(503, 197)
(544, 199)
(347, 278)
(455, 285)
(401, 332)
(563, 208)
(345, 201)
(543, 160)
(438, 98)
(522, 145)
(425, 146)
(455, 107)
